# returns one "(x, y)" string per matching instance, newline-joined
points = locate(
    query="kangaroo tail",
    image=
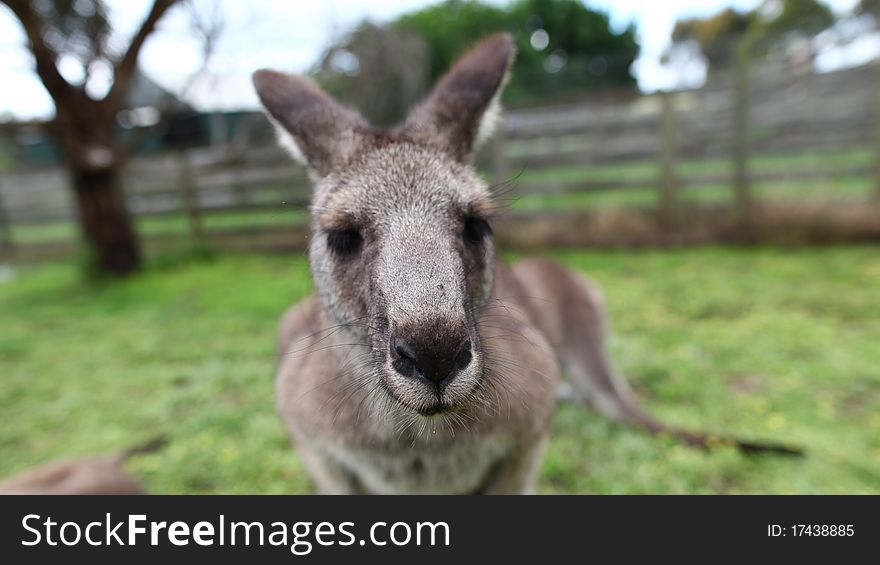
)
(706, 440)
(574, 320)
(149, 446)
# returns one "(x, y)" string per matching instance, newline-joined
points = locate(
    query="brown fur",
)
(103, 474)
(92, 475)
(367, 385)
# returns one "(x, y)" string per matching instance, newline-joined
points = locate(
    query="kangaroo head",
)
(401, 249)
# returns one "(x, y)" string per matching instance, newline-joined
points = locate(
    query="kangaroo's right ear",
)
(313, 127)
(462, 109)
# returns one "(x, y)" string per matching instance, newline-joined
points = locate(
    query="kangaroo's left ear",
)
(461, 111)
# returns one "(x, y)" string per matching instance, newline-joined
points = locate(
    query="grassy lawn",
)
(761, 343)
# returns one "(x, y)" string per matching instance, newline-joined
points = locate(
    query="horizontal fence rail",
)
(670, 145)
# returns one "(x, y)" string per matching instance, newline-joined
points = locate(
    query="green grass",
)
(762, 343)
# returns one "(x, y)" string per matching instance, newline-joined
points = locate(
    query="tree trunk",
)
(104, 220)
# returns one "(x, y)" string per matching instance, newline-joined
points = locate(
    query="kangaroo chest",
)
(454, 469)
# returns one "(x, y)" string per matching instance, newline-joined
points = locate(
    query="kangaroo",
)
(424, 364)
(101, 474)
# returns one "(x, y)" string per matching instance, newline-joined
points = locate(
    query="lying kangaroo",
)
(101, 474)
(424, 364)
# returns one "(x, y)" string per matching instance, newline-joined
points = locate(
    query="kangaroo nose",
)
(435, 361)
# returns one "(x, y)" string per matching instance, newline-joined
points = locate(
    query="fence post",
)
(876, 100)
(5, 228)
(498, 161)
(189, 186)
(741, 181)
(668, 161)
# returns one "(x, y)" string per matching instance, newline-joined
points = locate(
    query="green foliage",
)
(451, 26)
(595, 56)
(590, 54)
(804, 17)
(582, 51)
(868, 7)
(718, 35)
(761, 343)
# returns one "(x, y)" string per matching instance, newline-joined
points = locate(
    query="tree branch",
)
(208, 30)
(125, 67)
(45, 56)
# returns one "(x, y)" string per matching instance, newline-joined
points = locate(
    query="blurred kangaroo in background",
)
(424, 364)
(101, 474)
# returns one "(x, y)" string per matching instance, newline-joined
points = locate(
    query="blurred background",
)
(713, 164)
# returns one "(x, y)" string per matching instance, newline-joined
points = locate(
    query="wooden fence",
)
(669, 143)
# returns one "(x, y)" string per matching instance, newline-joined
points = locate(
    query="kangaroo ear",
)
(314, 128)
(461, 111)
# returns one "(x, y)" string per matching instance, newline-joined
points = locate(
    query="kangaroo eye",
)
(476, 229)
(344, 242)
